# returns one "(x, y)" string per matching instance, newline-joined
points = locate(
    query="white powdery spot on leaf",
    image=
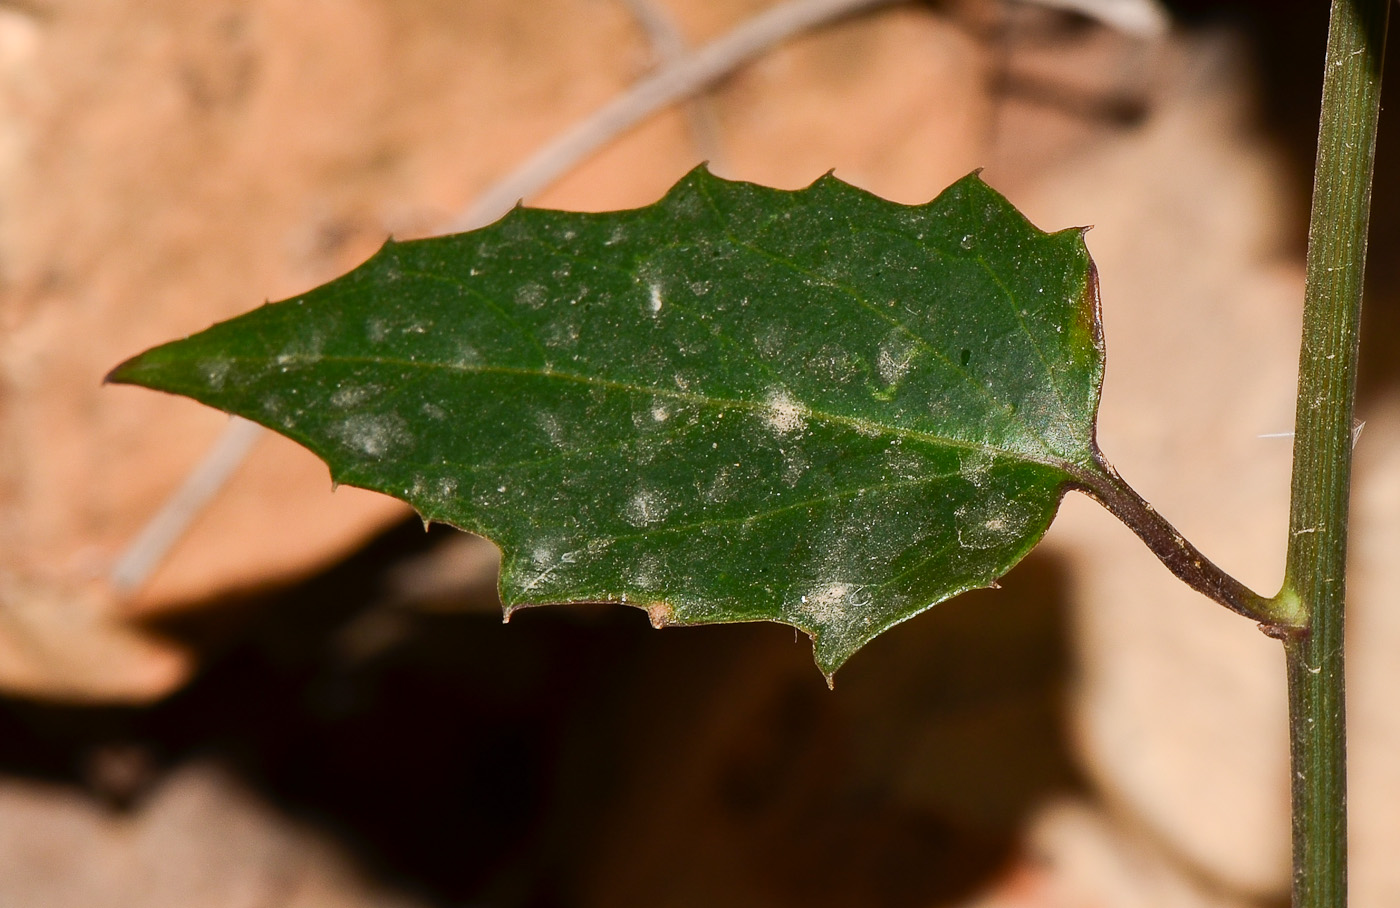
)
(837, 364)
(903, 465)
(974, 466)
(544, 564)
(374, 434)
(301, 350)
(560, 334)
(825, 603)
(1043, 408)
(893, 363)
(659, 413)
(531, 296)
(348, 396)
(990, 521)
(719, 490)
(552, 428)
(648, 571)
(216, 372)
(783, 414)
(654, 300)
(646, 507)
(794, 465)
(839, 609)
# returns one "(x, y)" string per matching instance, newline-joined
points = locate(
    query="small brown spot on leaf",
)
(660, 614)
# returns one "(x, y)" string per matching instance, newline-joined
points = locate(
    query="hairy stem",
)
(1315, 578)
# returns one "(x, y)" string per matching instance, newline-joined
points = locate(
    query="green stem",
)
(1315, 577)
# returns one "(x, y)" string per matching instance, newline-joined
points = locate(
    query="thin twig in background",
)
(673, 83)
(669, 45)
(1140, 18)
(169, 525)
(686, 76)
(677, 80)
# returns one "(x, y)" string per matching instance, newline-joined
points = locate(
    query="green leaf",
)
(815, 407)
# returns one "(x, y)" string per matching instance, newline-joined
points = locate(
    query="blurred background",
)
(284, 696)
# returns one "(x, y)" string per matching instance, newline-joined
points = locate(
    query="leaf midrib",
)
(862, 426)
